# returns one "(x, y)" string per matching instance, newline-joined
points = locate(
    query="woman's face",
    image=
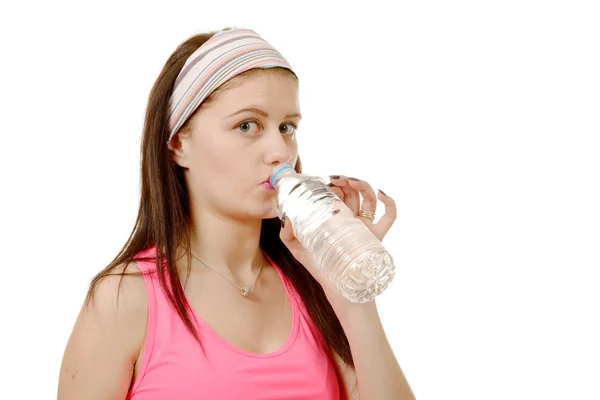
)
(236, 140)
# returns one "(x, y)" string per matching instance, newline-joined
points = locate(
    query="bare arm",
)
(99, 358)
(378, 373)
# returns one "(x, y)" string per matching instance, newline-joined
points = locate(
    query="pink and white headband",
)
(226, 54)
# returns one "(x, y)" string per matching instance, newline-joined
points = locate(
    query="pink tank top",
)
(174, 367)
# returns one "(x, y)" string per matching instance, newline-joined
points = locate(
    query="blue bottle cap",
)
(277, 171)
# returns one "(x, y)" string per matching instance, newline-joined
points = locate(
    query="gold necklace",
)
(245, 290)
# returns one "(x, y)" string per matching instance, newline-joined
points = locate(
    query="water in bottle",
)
(343, 246)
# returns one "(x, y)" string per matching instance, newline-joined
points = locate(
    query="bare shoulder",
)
(118, 303)
(120, 294)
(106, 338)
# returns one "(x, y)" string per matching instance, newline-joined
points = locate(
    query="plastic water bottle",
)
(343, 247)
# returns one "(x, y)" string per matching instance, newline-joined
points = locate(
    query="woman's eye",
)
(287, 129)
(246, 127)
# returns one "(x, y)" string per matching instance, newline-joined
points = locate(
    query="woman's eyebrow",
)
(262, 113)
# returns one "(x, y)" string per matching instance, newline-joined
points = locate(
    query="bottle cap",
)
(277, 170)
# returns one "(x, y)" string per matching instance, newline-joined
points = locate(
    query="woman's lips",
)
(267, 185)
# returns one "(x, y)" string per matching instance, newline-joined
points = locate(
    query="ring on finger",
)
(366, 214)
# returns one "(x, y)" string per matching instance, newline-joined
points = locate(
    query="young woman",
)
(235, 308)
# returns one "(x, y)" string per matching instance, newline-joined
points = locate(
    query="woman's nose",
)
(277, 150)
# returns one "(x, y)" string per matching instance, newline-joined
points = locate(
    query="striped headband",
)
(226, 54)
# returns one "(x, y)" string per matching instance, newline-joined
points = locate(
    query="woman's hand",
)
(351, 190)
(357, 195)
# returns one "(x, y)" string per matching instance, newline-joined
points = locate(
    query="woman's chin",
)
(266, 210)
(270, 214)
(270, 208)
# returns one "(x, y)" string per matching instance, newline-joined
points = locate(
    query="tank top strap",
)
(146, 262)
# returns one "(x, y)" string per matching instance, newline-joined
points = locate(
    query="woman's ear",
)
(178, 149)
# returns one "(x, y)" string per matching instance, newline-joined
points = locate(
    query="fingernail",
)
(330, 184)
(382, 192)
(354, 179)
(283, 221)
(334, 176)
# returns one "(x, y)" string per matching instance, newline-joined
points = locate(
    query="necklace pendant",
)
(245, 291)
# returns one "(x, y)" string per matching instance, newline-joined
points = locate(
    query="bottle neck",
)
(280, 172)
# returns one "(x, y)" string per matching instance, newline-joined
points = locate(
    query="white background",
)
(480, 118)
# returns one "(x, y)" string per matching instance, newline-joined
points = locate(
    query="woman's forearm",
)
(378, 372)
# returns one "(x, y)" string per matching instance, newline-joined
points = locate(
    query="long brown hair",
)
(164, 217)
